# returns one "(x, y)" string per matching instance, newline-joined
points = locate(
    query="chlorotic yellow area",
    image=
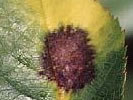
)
(62, 95)
(86, 14)
(35, 5)
(38, 8)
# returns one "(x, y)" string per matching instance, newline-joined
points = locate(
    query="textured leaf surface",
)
(22, 27)
(18, 57)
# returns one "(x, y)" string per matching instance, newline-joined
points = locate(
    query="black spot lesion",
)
(68, 59)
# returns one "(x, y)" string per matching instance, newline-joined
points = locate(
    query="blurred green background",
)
(123, 9)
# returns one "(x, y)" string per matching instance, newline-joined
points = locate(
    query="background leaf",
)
(19, 61)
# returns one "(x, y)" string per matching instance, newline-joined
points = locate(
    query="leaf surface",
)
(22, 27)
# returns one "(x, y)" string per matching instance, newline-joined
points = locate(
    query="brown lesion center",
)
(68, 59)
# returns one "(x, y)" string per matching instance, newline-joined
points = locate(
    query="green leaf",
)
(21, 36)
(19, 79)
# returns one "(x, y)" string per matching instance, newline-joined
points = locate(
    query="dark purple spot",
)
(68, 59)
